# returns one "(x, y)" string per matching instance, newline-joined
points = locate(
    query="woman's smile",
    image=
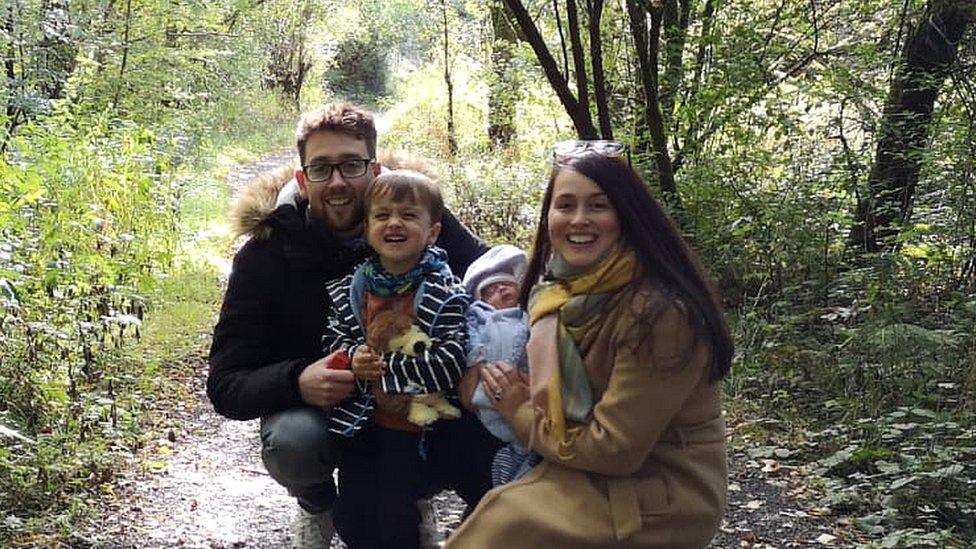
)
(582, 223)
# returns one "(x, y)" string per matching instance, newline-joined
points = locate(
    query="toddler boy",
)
(408, 276)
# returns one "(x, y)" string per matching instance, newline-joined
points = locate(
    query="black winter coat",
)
(275, 307)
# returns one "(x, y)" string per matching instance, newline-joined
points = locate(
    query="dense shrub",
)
(91, 223)
(89, 215)
(358, 70)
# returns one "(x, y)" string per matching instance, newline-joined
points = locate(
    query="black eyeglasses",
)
(564, 151)
(322, 171)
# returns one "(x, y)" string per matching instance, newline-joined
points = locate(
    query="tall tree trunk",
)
(646, 40)
(637, 100)
(578, 111)
(11, 110)
(595, 9)
(451, 137)
(125, 54)
(503, 89)
(926, 59)
(677, 16)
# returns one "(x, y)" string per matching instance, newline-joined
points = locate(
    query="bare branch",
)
(595, 9)
(578, 112)
(579, 60)
(562, 37)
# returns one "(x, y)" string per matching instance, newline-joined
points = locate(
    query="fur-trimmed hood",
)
(253, 204)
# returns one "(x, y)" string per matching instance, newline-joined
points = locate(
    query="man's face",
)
(338, 200)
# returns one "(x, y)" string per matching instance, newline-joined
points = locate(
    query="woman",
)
(627, 345)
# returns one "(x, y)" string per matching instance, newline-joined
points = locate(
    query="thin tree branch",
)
(595, 9)
(562, 37)
(647, 52)
(579, 58)
(451, 138)
(579, 113)
(125, 53)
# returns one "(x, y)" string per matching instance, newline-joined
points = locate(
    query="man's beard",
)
(346, 222)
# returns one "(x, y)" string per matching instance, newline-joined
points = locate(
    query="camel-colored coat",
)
(648, 469)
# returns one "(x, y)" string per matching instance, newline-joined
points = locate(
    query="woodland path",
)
(203, 485)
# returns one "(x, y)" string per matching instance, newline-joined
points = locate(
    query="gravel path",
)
(205, 487)
(244, 173)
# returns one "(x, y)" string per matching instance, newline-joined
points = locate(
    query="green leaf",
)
(923, 412)
(949, 471)
(901, 482)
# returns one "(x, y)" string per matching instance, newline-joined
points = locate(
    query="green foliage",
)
(359, 70)
(90, 220)
(498, 202)
(104, 193)
(879, 390)
(911, 462)
(865, 362)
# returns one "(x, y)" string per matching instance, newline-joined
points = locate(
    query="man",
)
(266, 359)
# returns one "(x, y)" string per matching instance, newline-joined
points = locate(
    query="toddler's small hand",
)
(367, 365)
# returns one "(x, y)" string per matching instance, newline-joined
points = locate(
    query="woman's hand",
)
(507, 388)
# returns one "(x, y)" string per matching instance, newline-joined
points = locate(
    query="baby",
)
(498, 330)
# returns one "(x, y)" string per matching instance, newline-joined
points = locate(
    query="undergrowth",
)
(874, 396)
(105, 302)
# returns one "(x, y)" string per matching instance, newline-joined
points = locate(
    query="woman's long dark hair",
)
(667, 259)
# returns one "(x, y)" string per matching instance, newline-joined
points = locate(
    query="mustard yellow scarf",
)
(577, 298)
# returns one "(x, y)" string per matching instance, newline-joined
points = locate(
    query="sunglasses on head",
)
(564, 151)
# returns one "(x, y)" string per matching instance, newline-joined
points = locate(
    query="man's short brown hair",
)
(342, 117)
(406, 186)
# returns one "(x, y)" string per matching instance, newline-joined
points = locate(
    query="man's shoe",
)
(312, 530)
(430, 532)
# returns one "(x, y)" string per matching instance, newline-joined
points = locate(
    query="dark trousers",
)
(460, 452)
(381, 477)
(299, 454)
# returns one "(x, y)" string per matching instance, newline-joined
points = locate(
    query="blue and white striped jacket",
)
(439, 306)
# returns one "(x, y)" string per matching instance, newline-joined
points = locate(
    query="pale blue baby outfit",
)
(496, 335)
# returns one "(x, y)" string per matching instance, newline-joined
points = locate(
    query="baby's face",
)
(501, 295)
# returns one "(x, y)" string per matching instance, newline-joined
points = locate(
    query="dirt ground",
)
(204, 486)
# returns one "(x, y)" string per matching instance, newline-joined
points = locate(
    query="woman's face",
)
(582, 223)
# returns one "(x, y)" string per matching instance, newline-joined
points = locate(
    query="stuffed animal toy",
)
(391, 331)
